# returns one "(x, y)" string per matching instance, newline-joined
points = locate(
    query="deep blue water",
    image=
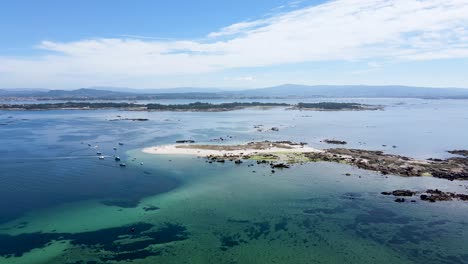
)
(45, 160)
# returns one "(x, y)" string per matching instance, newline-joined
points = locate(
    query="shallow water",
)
(60, 204)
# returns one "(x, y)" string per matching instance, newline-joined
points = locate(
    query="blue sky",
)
(256, 43)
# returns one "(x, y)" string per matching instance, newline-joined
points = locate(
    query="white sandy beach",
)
(184, 149)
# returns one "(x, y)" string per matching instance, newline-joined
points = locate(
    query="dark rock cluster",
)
(430, 195)
(451, 169)
(334, 141)
(185, 141)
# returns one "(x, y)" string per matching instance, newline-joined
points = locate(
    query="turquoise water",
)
(60, 204)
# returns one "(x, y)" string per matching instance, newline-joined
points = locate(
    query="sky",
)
(239, 44)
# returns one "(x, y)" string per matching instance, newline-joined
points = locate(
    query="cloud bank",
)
(341, 30)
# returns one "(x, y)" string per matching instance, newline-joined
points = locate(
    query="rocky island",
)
(286, 153)
(336, 106)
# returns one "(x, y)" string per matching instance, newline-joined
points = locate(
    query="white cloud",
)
(239, 28)
(240, 78)
(334, 31)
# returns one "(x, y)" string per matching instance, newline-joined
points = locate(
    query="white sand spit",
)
(204, 150)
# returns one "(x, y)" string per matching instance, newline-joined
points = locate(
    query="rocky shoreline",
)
(455, 168)
(280, 155)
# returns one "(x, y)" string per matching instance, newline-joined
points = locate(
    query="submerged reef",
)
(430, 195)
(128, 242)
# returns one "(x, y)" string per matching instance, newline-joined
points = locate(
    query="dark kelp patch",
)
(230, 241)
(238, 221)
(380, 216)
(21, 225)
(328, 211)
(18, 245)
(410, 234)
(130, 203)
(282, 225)
(252, 231)
(138, 237)
(258, 229)
(151, 208)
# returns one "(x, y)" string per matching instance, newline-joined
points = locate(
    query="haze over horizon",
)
(266, 43)
(197, 89)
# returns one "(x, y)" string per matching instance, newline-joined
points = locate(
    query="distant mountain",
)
(101, 94)
(18, 91)
(162, 90)
(282, 91)
(85, 92)
(293, 90)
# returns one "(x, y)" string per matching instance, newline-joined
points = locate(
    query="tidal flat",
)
(60, 203)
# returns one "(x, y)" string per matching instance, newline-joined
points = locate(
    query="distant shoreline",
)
(191, 107)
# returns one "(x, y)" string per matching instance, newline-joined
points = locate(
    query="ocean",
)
(60, 203)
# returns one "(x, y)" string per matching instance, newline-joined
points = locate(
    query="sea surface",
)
(60, 203)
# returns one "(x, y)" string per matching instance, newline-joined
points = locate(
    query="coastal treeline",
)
(330, 106)
(209, 106)
(70, 105)
(198, 106)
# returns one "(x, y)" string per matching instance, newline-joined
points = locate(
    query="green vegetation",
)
(332, 106)
(69, 105)
(198, 106)
(210, 107)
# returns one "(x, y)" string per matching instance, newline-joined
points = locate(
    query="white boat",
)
(101, 157)
(123, 164)
(117, 158)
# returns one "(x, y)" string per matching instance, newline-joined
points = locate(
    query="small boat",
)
(101, 157)
(98, 153)
(117, 158)
(120, 143)
(89, 145)
(123, 164)
(115, 148)
(141, 163)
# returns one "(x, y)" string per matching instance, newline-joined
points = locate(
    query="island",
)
(191, 107)
(282, 154)
(335, 106)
